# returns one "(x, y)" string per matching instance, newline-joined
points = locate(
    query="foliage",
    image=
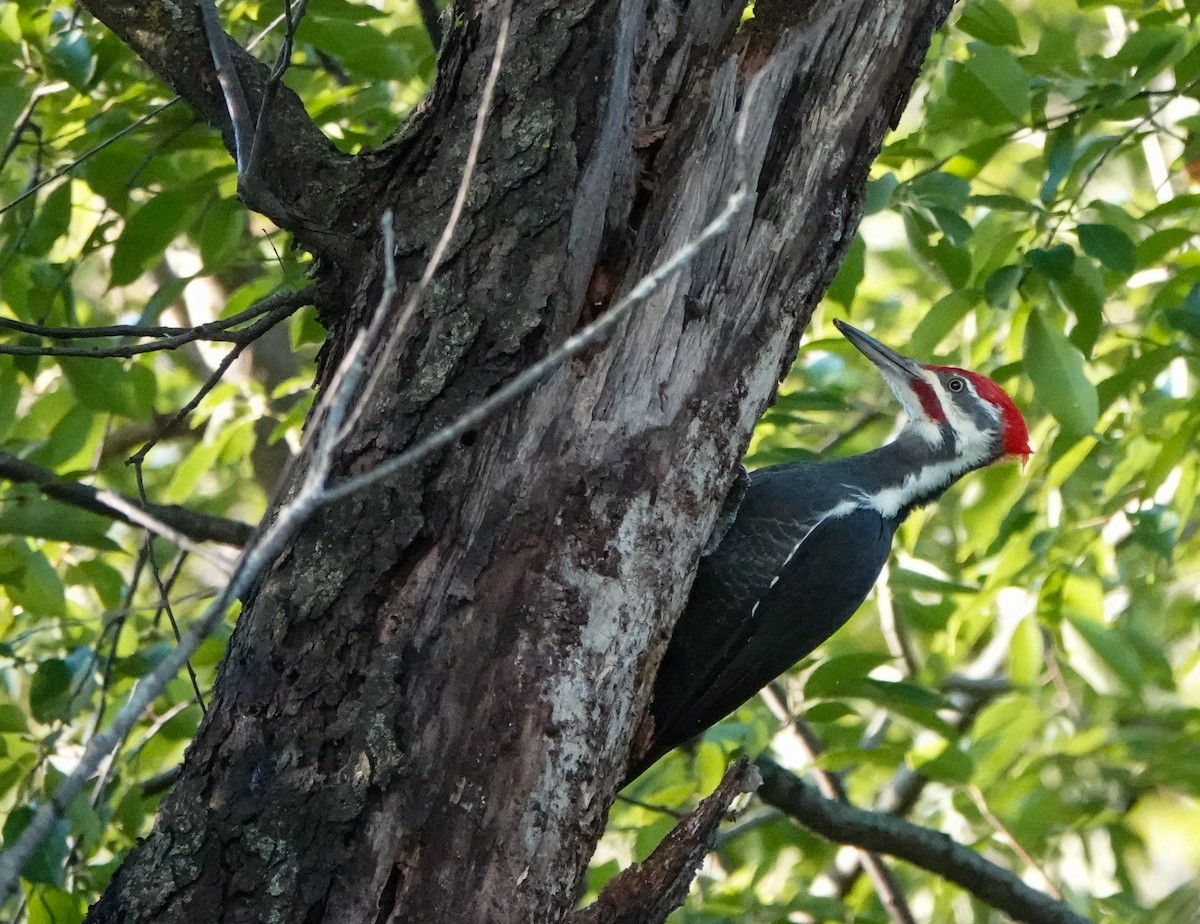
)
(1033, 217)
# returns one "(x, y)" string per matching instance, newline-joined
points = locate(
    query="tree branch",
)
(201, 527)
(647, 894)
(923, 847)
(170, 39)
(269, 312)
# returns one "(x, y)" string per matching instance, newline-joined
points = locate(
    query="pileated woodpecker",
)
(805, 543)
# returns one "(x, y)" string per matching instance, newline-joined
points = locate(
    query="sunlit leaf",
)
(1055, 366)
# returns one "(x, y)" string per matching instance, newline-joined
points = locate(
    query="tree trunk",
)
(429, 700)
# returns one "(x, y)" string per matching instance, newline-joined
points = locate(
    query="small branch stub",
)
(647, 894)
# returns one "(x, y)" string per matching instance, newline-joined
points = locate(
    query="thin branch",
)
(270, 311)
(207, 331)
(164, 593)
(651, 807)
(1001, 829)
(283, 62)
(893, 631)
(245, 338)
(267, 546)
(90, 152)
(134, 512)
(1117, 144)
(887, 886)
(199, 527)
(900, 796)
(923, 847)
(118, 135)
(231, 84)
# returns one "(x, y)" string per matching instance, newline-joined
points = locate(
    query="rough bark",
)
(428, 702)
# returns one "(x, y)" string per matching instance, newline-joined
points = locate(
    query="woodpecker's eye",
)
(957, 384)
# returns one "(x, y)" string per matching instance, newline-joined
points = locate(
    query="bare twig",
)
(970, 694)
(572, 346)
(199, 527)
(118, 135)
(270, 311)
(231, 84)
(164, 592)
(292, 17)
(217, 330)
(269, 543)
(928, 849)
(147, 520)
(245, 338)
(1116, 145)
(90, 152)
(1000, 828)
(893, 631)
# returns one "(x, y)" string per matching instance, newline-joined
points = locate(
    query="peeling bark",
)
(429, 701)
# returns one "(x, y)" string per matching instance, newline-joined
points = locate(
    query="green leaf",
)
(999, 288)
(1155, 248)
(12, 719)
(833, 678)
(939, 320)
(54, 906)
(72, 59)
(10, 393)
(147, 234)
(50, 690)
(991, 85)
(1109, 245)
(951, 766)
(1114, 650)
(25, 513)
(30, 580)
(52, 221)
(850, 274)
(1060, 158)
(990, 21)
(222, 233)
(1183, 320)
(111, 385)
(1056, 262)
(1055, 366)
(879, 192)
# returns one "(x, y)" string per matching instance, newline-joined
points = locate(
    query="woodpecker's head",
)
(946, 403)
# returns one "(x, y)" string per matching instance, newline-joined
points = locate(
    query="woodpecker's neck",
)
(911, 471)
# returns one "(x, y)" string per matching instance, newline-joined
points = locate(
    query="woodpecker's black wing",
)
(776, 587)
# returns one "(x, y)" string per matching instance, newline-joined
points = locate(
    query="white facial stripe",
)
(972, 447)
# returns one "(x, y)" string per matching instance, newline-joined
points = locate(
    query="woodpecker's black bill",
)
(887, 359)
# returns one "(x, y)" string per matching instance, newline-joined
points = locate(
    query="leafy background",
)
(1030, 663)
